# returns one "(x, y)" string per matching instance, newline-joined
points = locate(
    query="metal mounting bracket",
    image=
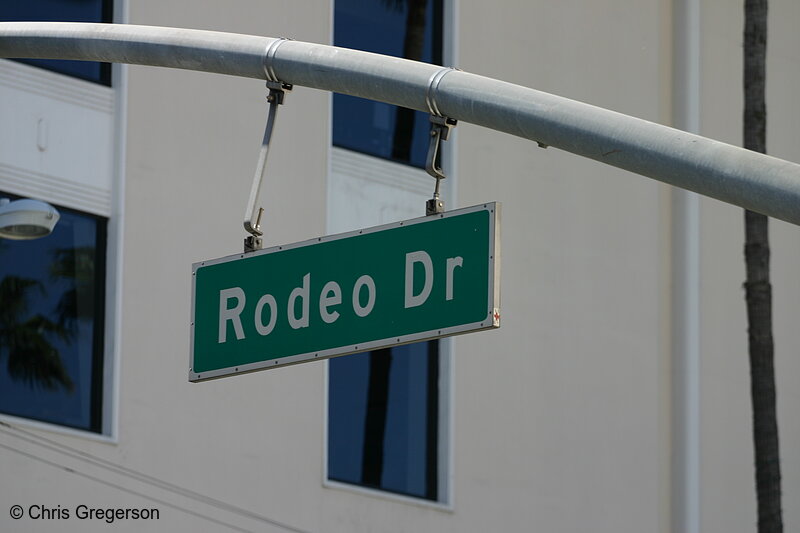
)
(252, 216)
(440, 131)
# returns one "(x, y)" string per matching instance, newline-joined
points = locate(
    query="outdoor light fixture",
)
(26, 219)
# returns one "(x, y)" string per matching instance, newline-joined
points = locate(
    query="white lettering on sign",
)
(452, 263)
(269, 300)
(232, 300)
(415, 300)
(325, 301)
(232, 314)
(302, 293)
(411, 299)
(369, 283)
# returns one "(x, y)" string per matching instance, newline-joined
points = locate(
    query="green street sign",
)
(404, 282)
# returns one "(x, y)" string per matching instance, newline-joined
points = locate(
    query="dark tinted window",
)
(51, 323)
(402, 28)
(63, 11)
(383, 419)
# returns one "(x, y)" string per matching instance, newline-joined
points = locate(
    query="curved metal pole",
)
(754, 181)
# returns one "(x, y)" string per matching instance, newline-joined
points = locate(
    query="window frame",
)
(97, 357)
(446, 399)
(108, 203)
(445, 459)
(432, 361)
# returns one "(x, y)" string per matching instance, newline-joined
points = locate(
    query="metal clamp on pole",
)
(440, 131)
(277, 93)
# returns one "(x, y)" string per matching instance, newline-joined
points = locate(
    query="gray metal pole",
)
(754, 181)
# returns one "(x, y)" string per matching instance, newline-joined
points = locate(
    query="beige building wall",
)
(562, 420)
(558, 421)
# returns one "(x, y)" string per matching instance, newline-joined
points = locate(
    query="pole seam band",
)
(433, 86)
(269, 56)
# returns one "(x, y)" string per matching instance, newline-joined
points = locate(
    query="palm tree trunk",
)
(413, 46)
(757, 286)
(380, 364)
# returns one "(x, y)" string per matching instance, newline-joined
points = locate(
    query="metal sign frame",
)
(491, 319)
